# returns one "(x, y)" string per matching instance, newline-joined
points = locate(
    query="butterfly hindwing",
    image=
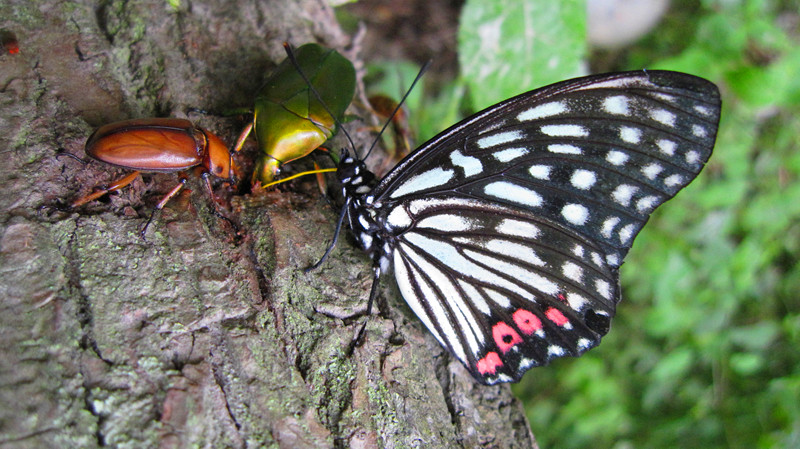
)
(507, 230)
(504, 290)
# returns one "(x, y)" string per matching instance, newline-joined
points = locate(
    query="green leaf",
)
(508, 47)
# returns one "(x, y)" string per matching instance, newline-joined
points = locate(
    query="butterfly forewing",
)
(507, 230)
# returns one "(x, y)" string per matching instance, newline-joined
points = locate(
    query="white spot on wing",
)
(541, 111)
(608, 226)
(616, 105)
(425, 180)
(665, 97)
(646, 204)
(699, 131)
(499, 139)
(514, 193)
(617, 158)
(499, 299)
(576, 301)
(526, 363)
(583, 179)
(471, 165)
(555, 351)
(445, 223)
(509, 154)
(663, 116)
(540, 171)
(623, 194)
(475, 297)
(563, 148)
(572, 271)
(692, 157)
(652, 170)
(626, 233)
(515, 250)
(702, 109)
(565, 130)
(518, 229)
(673, 180)
(666, 146)
(630, 135)
(398, 218)
(575, 213)
(603, 288)
(578, 251)
(419, 205)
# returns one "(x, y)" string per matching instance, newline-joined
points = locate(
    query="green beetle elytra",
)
(289, 120)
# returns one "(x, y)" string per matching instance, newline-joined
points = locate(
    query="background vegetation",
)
(703, 352)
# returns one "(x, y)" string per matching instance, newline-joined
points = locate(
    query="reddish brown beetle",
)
(158, 145)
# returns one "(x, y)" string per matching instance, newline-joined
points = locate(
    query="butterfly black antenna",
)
(290, 54)
(399, 105)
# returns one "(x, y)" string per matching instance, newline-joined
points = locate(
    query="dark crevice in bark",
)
(99, 418)
(102, 24)
(217, 367)
(84, 304)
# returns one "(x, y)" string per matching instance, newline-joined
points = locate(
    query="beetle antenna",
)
(397, 108)
(65, 153)
(290, 54)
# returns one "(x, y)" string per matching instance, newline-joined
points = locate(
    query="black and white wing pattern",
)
(506, 232)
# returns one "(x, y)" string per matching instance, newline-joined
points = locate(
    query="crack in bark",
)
(100, 419)
(100, 14)
(84, 313)
(219, 380)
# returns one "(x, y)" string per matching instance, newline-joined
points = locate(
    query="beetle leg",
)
(243, 136)
(207, 182)
(162, 203)
(171, 193)
(215, 202)
(120, 183)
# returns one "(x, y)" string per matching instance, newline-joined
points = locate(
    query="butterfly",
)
(506, 232)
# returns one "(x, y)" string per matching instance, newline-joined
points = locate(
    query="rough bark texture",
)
(199, 336)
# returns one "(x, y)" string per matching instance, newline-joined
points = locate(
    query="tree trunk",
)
(207, 333)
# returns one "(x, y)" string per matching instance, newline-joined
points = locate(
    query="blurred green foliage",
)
(704, 349)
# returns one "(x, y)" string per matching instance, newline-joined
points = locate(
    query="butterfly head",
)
(354, 176)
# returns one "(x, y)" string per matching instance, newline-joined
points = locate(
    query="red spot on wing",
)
(556, 316)
(505, 337)
(527, 322)
(489, 364)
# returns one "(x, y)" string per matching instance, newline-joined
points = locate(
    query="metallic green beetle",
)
(289, 120)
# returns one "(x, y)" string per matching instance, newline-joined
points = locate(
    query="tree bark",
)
(206, 334)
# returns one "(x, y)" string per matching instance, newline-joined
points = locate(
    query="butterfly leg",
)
(373, 292)
(336, 232)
